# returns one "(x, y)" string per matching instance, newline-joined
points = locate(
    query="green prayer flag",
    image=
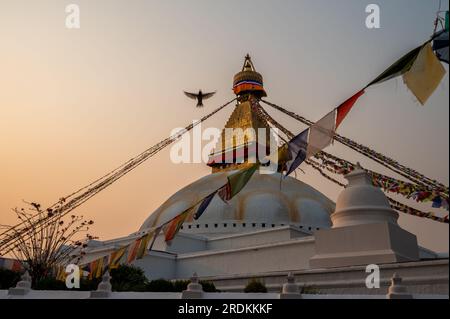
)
(446, 21)
(239, 179)
(400, 67)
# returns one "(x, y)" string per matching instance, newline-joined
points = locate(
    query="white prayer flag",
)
(321, 134)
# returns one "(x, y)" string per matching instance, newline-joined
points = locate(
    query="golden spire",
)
(243, 122)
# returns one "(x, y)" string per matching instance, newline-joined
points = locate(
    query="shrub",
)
(255, 286)
(180, 285)
(159, 285)
(309, 290)
(8, 278)
(128, 278)
(89, 284)
(208, 286)
(50, 283)
(162, 285)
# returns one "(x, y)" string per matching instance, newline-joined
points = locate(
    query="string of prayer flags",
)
(344, 108)
(11, 264)
(297, 148)
(394, 204)
(388, 184)
(425, 74)
(415, 212)
(126, 254)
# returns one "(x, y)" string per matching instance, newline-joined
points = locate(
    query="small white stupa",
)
(365, 229)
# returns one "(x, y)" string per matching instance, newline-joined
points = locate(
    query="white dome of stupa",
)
(264, 202)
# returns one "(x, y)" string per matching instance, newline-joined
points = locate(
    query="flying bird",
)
(200, 96)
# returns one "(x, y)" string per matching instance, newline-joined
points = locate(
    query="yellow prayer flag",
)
(144, 244)
(99, 270)
(116, 257)
(425, 74)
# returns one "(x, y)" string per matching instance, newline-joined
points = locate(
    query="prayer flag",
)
(425, 74)
(344, 108)
(297, 147)
(440, 46)
(93, 268)
(321, 134)
(225, 192)
(204, 204)
(144, 243)
(132, 250)
(116, 257)
(172, 228)
(446, 22)
(236, 182)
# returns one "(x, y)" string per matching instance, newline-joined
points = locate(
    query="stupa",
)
(270, 229)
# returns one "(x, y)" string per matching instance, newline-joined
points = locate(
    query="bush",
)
(163, 285)
(208, 286)
(180, 285)
(50, 283)
(159, 285)
(8, 278)
(255, 286)
(309, 290)
(89, 284)
(128, 278)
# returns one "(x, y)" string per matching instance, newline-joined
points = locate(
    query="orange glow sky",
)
(76, 103)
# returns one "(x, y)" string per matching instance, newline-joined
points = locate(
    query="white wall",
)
(182, 243)
(258, 237)
(290, 255)
(157, 265)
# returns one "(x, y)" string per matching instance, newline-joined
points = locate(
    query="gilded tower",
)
(244, 131)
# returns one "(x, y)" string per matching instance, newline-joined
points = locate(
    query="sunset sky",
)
(76, 103)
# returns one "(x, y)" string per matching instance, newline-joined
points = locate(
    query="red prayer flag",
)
(344, 108)
(133, 250)
(17, 266)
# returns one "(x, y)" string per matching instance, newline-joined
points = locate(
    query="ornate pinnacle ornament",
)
(248, 80)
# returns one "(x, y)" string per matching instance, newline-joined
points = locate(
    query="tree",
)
(50, 241)
(255, 286)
